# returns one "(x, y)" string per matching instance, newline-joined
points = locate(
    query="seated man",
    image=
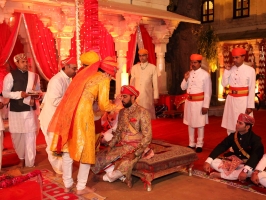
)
(259, 176)
(132, 137)
(248, 150)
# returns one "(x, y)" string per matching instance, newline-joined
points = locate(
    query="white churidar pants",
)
(25, 146)
(233, 176)
(191, 133)
(262, 178)
(83, 172)
(56, 162)
(112, 175)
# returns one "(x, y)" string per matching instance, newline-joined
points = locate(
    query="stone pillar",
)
(221, 68)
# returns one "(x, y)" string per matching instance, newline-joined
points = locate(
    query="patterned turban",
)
(20, 56)
(109, 65)
(238, 52)
(246, 118)
(69, 60)
(196, 57)
(130, 90)
(89, 58)
(143, 52)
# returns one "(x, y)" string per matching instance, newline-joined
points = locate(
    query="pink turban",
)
(143, 52)
(109, 65)
(238, 52)
(196, 57)
(69, 60)
(130, 90)
(246, 118)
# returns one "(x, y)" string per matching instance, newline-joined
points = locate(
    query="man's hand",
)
(249, 110)
(1, 105)
(255, 177)
(228, 67)
(156, 101)
(204, 111)
(24, 94)
(130, 156)
(207, 167)
(242, 176)
(186, 75)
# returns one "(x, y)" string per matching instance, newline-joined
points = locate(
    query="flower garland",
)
(7, 180)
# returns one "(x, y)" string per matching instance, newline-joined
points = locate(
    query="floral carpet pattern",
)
(53, 189)
(248, 185)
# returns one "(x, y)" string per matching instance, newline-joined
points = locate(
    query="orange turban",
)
(130, 90)
(109, 65)
(89, 58)
(238, 52)
(69, 60)
(196, 57)
(143, 51)
(246, 118)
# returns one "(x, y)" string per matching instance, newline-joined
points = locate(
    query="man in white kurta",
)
(145, 79)
(55, 91)
(2, 128)
(241, 79)
(22, 87)
(259, 175)
(197, 82)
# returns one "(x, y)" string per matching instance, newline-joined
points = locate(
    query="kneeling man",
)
(131, 139)
(248, 150)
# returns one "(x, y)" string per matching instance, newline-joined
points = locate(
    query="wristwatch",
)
(245, 170)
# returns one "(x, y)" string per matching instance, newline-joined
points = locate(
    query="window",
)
(207, 11)
(241, 8)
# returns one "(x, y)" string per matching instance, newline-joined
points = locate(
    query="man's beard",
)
(127, 105)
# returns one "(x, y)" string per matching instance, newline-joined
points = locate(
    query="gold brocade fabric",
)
(81, 146)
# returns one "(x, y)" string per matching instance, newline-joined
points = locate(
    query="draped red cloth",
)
(131, 52)
(147, 41)
(43, 46)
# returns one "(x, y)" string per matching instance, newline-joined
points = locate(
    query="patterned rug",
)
(53, 189)
(247, 185)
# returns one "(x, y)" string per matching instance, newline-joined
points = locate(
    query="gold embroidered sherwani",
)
(81, 146)
(133, 135)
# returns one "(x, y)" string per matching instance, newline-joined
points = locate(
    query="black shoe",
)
(198, 150)
(191, 147)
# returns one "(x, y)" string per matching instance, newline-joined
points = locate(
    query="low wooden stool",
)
(168, 158)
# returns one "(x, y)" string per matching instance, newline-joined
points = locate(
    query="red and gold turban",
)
(246, 118)
(238, 52)
(143, 52)
(69, 60)
(130, 90)
(196, 57)
(109, 65)
(20, 56)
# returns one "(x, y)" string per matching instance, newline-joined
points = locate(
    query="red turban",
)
(143, 51)
(238, 52)
(109, 65)
(246, 118)
(130, 90)
(69, 60)
(196, 57)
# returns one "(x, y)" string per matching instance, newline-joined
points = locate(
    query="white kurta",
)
(261, 167)
(55, 91)
(198, 81)
(243, 76)
(2, 128)
(146, 82)
(26, 121)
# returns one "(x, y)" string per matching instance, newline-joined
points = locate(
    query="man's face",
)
(70, 70)
(238, 60)
(195, 64)
(143, 58)
(22, 64)
(126, 100)
(241, 127)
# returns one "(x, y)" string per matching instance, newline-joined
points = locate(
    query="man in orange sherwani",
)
(73, 121)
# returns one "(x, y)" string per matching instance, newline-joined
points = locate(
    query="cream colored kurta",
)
(243, 76)
(56, 89)
(146, 82)
(198, 81)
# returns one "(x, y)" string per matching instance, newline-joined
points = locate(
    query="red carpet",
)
(172, 131)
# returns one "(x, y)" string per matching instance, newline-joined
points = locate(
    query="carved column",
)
(220, 88)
